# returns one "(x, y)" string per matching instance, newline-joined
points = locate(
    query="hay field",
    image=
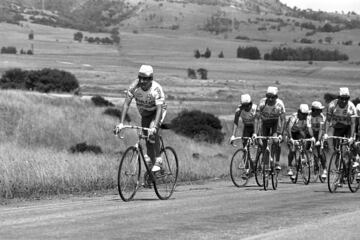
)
(43, 128)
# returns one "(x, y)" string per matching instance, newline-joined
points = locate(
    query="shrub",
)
(9, 50)
(191, 73)
(44, 80)
(198, 125)
(203, 73)
(305, 54)
(207, 53)
(221, 54)
(197, 53)
(83, 147)
(248, 52)
(101, 102)
(114, 112)
(328, 97)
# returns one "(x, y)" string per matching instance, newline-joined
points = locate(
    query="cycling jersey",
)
(248, 118)
(270, 114)
(298, 125)
(340, 117)
(146, 101)
(317, 122)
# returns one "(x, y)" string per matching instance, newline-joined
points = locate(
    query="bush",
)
(9, 50)
(197, 53)
(248, 52)
(328, 97)
(191, 73)
(114, 112)
(207, 53)
(221, 54)
(198, 125)
(305, 54)
(101, 102)
(83, 147)
(203, 73)
(44, 80)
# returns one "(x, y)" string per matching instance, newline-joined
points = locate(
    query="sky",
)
(326, 5)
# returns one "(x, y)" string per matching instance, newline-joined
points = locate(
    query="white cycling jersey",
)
(146, 100)
(337, 115)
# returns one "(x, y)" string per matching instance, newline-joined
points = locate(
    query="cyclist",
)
(270, 119)
(245, 112)
(341, 116)
(150, 102)
(298, 127)
(317, 120)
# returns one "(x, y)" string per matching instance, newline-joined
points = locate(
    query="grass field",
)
(37, 130)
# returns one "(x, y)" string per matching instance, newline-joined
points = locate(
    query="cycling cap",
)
(317, 105)
(304, 108)
(245, 98)
(146, 71)
(344, 91)
(272, 90)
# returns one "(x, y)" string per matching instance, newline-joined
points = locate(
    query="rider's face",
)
(271, 98)
(343, 101)
(145, 82)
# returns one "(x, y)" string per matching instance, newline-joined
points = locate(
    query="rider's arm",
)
(282, 121)
(353, 121)
(158, 115)
(236, 121)
(125, 109)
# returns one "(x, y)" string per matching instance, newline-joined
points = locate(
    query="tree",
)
(197, 53)
(207, 53)
(78, 36)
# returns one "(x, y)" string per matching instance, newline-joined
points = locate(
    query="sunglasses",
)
(316, 110)
(344, 98)
(271, 96)
(145, 78)
(245, 105)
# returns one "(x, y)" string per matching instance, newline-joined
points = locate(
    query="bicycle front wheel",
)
(266, 169)
(129, 174)
(334, 172)
(240, 168)
(297, 168)
(305, 167)
(353, 180)
(259, 169)
(165, 179)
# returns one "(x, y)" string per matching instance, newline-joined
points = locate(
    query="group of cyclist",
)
(268, 119)
(265, 119)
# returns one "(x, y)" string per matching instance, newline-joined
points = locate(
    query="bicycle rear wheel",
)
(165, 179)
(353, 180)
(129, 174)
(305, 167)
(334, 172)
(240, 168)
(259, 169)
(274, 177)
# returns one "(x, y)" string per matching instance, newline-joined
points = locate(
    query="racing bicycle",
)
(341, 166)
(241, 165)
(132, 161)
(303, 162)
(265, 159)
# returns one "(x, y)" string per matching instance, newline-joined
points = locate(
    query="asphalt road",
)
(212, 210)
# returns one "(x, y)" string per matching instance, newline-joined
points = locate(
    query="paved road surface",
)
(214, 210)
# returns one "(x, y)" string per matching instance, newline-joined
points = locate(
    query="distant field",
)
(107, 71)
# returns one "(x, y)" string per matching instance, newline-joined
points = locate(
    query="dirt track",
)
(214, 210)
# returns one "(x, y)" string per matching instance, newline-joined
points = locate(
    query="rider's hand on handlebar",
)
(351, 140)
(118, 128)
(280, 137)
(325, 136)
(254, 136)
(317, 143)
(313, 140)
(152, 131)
(232, 139)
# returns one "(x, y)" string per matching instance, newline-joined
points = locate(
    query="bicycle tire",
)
(352, 180)
(165, 179)
(305, 167)
(315, 169)
(129, 174)
(321, 169)
(238, 168)
(297, 168)
(334, 172)
(266, 169)
(274, 177)
(259, 169)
